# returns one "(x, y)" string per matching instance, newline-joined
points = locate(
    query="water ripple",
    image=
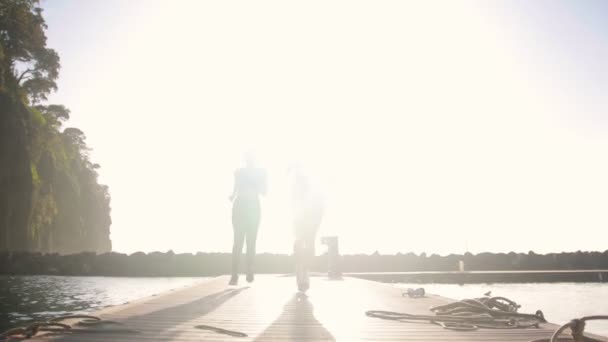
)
(27, 298)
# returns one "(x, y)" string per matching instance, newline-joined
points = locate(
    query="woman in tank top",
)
(249, 185)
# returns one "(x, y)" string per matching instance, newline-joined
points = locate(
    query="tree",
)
(50, 198)
(26, 64)
(55, 115)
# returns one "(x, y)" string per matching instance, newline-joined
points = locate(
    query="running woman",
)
(249, 185)
(309, 207)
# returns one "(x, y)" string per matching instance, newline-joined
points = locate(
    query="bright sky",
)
(435, 126)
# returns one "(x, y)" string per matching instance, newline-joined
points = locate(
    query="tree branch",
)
(28, 71)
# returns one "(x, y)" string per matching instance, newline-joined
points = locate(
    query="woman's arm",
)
(234, 187)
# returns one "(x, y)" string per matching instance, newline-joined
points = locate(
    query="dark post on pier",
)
(333, 257)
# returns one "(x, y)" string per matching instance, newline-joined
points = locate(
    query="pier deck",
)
(270, 310)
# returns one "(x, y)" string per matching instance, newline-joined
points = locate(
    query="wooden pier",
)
(480, 277)
(270, 310)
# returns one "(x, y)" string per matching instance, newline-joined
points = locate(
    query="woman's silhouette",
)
(309, 208)
(249, 184)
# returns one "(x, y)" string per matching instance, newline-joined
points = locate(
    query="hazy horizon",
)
(432, 126)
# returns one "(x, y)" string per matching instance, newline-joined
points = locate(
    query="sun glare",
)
(412, 116)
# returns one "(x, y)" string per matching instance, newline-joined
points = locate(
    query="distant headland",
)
(169, 264)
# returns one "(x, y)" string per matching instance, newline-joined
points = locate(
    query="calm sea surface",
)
(26, 298)
(560, 302)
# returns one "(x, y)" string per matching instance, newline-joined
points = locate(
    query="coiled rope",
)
(55, 326)
(577, 328)
(471, 314)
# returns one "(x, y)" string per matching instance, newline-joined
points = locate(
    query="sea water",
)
(27, 298)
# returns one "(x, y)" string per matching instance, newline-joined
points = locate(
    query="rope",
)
(54, 325)
(33, 328)
(221, 330)
(471, 314)
(63, 318)
(495, 306)
(577, 329)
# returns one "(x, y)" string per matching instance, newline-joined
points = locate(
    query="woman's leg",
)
(299, 260)
(238, 220)
(308, 237)
(251, 237)
(309, 250)
(308, 253)
(237, 249)
(303, 249)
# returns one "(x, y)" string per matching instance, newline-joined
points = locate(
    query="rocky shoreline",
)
(169, 264)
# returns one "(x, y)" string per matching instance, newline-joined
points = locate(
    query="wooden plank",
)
(270, 310)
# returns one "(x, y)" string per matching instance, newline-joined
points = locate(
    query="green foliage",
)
(26, 64)
(37, 118)
(70, 210)
(35, 176)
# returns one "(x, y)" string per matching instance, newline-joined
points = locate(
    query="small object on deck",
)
(414, 293)
(221, 330)
(333, 257)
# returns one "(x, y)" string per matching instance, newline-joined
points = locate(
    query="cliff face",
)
(15, 176)
(50, 200)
